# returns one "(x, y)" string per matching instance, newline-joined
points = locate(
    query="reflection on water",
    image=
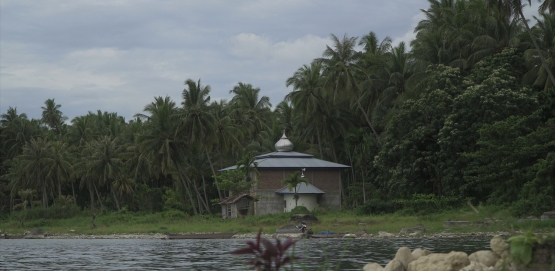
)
(125, 254)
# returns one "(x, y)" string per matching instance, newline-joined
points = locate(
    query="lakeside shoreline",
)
(162, 236)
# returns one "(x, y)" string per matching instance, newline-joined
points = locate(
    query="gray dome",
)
(284, 144)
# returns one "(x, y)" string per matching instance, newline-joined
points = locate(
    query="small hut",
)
(237, 206)
(307, 196)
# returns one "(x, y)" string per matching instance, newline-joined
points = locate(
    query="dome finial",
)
(284, 144)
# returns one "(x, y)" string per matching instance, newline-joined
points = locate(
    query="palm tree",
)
(308, 85)
(292, 182)
(30, 166)
(81, 130)
(58, 165)
(83, 172)
(196, 119)
(548, 5)
(226, 134)
(545, 29)
(342, 69)
(514, 7)
(17, 131)
(52, 116)
(161, 141)
(374, 59)
(250, 110)
(106, 163)
(284, 116)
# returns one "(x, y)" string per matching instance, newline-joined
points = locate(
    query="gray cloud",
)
(116, 55)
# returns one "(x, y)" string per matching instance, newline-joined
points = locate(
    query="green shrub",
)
(174, 214)
(54, 212)
(319, 210)
(300, 210)
(377, 206)
(146, 199)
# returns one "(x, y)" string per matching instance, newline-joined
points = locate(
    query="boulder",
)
(417, 253)
(418, 229)
(372, 267)
(548, 215)
(394, 265)
(452, 261)
(350, 235)
(384, 234)
(499, 246)
(404, 256)
(485, 257)
(474, 266)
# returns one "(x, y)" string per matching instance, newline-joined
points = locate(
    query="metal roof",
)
(234, 199)
(302, 188)
(291, 159)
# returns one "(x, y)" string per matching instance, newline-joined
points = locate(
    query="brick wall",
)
(269, 180)
(324, 179)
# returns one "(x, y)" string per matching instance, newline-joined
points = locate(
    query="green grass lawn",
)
(344, 221)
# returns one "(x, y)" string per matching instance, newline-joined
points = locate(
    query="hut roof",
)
(234, 199)
(302, 188)
(291, 159)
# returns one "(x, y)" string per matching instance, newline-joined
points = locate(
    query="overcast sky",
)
(117, 55)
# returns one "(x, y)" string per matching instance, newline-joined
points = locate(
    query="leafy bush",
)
(147, 199)
(319, 210)
(429, 203)
(377, 206)
(174, 214)
(300, 210)
(54, 212)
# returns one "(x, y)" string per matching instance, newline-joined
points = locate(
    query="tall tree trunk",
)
(198, 194)
(363, 187)
(98, 196)
(319, 143)
(213, 172)
(204, 188)
(368, 121)
(115, 197)
(59, 188)
(91, 192)
(73, 192)
(544, 63)
(364, 111)
(185, 186)
(44, 197)
(333, 151)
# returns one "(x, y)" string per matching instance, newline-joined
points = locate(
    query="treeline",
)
(468, 113)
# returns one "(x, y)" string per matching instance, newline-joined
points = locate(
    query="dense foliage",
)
(467, 114)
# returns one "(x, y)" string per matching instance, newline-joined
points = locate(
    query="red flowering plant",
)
(267, 256)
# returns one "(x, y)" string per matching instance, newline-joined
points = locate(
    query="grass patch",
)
(342, 221)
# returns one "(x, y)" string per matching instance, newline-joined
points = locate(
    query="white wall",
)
(310, 201)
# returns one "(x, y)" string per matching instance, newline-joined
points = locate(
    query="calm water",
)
(121, 254)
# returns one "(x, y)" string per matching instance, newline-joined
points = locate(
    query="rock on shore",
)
(497, 259)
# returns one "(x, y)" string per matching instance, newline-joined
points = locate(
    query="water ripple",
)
(139, 254)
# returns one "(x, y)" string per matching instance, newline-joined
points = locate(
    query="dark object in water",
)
(224, 235)
(337, 235)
